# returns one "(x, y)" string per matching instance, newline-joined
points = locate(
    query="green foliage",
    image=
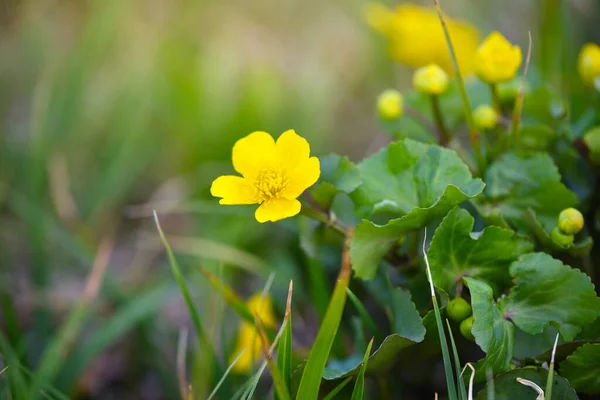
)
(548, 292)
(454, 252)
(582, 368)
(458, 309)
(415, 181)
(516, 183)
(359, 386)
(506, 387)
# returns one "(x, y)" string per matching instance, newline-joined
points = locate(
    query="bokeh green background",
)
(112, 108)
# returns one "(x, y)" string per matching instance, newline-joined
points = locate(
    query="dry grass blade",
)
(470, 394)
(534, 386)
(550, 379)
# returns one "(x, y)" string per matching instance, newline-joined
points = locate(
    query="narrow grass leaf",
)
(462, 391)
(338, 389)
(550, 380)
(359, 386)
(203, 340)
(443, 342)
(284, 347)
(313, 372)
(364, 315)
(227, 371)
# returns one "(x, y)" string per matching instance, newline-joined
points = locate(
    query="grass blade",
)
(461, 383)
(338, 389)
(129, 315)
(227, 371)
(364, 315)
(359, 386)
(180, 364)
(284, 347)
(438, 318)
(515, 132)
(311, 378)
(550, 379)
(203, 340)
(55, 355)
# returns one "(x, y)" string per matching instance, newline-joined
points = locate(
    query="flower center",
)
(269, 183)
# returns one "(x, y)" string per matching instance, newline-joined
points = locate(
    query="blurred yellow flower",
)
(485, 116)
(274, 174)
(431, 79)
(416, 37)
(248, 335)
(390, 104)
(589, 63)
(497, 60)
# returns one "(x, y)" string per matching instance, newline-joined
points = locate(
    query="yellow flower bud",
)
(497, 60)
(570, 221)
(588, 64)
(485, 116)
(431, 79)
(390, 104)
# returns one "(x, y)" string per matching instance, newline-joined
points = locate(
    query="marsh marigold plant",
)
(274, 174)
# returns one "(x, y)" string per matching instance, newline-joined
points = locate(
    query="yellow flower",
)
(249, 337)
(485, 116)
(416, 37)
(589, 63)
(390, 104)
(430, 79)
(274, 175)
(497, 60)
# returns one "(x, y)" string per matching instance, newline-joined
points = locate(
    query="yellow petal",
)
(302, 177)
(276, 209)
(263, 307)
(291, 150)
(252, 152)
(248, 339)
(233, 190)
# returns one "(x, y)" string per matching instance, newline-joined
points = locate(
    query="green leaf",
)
(406, 320)
(364, 315)
(548, 292)
(493, 333)
(516, 183)
(537, 137)
(506, 387)
(582, 368)
(455, 252)
(416, 181)
(359, 386)
(315, 365)
(338, 175)
(284, 354)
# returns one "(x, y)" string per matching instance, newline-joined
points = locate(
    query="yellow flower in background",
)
(274, 174)
(416, 37)
(497, 60)
(390, 104)
(431, 79)
(249, 337)
(588, 64)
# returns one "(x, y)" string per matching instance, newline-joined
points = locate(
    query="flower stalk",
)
(473, 132)
(439, 120)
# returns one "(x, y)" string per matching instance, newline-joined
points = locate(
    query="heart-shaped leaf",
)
(454, 252)
(516, 183)
(492, 332)
(548, 292)
(582, 368)
(413, 180)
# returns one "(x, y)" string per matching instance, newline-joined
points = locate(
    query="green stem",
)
(496, 98)
(439, 120)
(473, 132)
(515, 132)
(419, 117)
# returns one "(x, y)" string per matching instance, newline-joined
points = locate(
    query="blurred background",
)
(112, 108)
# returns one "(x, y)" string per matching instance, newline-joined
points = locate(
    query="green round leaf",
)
(506, 387)
(582, 368)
